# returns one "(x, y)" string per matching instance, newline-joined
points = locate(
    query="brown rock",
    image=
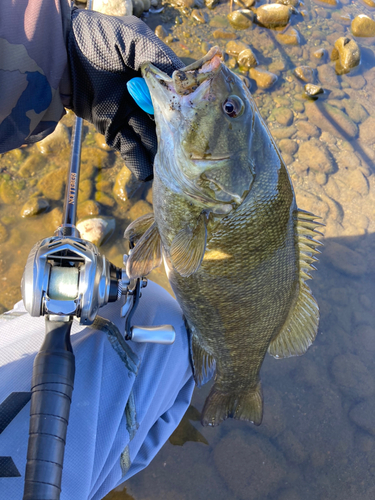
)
(356, 82)
(327, 3)
(347, 55)
(273, 15)
(247, 59)
(327, 76)
(370, 3)
(241, 19)
(316, 156)
(34, 206)
(283, 132)
(309, 129)
(287, 146)
(284, 116)
(199, 16)
(363, 26)
(264, 79)
(289, 37)
(312, 90)
(245, 3)
(224, 35)
(331, 119)
(126, 185)
(367, 131)
(320, 53)
(234, 47)
(138, 209)
(58, 140)
(305, 73)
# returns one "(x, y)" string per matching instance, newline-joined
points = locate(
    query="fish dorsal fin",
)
(146, 255)
(188, 247)
(301, 325)
(137, 228)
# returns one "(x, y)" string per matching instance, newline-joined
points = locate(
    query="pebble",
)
(100, 141)
(309, 129)
(226, 35)
(331, 119)
(32, 165)
(283, 132)
(328, 3)
(98, 230)
(352, 377)
(241, 19)
(284, 116)
(298, 106)
(234, 47)
(312, 90)
(366, 131)
(363, 26)
(289, 37)
(273, 15)
(327, 76)
(250, 465)
(199, 16)
(356, 82)
(245, 3)
(59, 139)
(347, 55)
(139, 208)
(316, 156)
(247, 59)
(104, 199)
(355, 111)
(160, 32)
(264, 79)
(305, 73)
(287, 146)
(319, 54)
(85, 190)
(86, 208)
(34, 206)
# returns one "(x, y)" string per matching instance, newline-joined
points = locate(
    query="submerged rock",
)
(34, 206)
(289, 37)
(241, 19)
(126, 184)
(226, 35)
(264, 79)
(305, 73)
(245, 3)
(352, 376)
(320, 53)
(316, 156)
(87, 208)
(160, 32)
(52, 184)
(98, 230)
(234, 47)
(363, 26)
(273, 15)
(199, 16)
(363, 415)
(366, 131)
(284, 116)
(331, 119)
(347, 55)
(327, 76)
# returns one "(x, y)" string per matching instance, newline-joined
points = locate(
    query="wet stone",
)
(289, 37)
(234, 47)
(89, 207)
(59, 139)
(291, 447)
(293, 3)
(100, 141)
(211, 4)
(356, 82)
(247, 59)
(352, 376)
(32, 165)
(249, 464)
(355, 111)
(287, 146)
(319, 54)
(316, 156)
(219, 22)
(363, 26)
(305, 73)
(199, 16)
(366, 131)
(139, 208)
(327, 76)
(312, 90)
(98, 230)
(344, 259)
(331, 119)
(241, 19)
(160, 32)
(85, 190)
(264, 79)
(225, 35)
(283, 132)
(245, 3)
(52, 184)
(347, 55)
(104, 199)
(126, 185)
(362, 415)
(309, 129)
(34, 206)
(284, 116)
(273, 15)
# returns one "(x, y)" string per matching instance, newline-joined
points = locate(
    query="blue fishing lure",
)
(138, 89)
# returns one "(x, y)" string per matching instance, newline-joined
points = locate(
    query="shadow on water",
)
(317, 439)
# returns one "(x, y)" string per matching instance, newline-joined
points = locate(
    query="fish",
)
(236, 249)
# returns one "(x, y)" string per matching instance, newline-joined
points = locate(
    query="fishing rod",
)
(66, 277)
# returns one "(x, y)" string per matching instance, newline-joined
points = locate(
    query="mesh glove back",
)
(104, 54)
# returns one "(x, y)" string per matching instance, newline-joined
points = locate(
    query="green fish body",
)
(236, 249)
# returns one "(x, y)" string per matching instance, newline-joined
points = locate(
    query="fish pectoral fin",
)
(188, 247)
(137, 228)
(146, 255)
(203, 362)
(301, 325)
(246, 405)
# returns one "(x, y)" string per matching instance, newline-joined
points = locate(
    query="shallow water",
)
(317, 439)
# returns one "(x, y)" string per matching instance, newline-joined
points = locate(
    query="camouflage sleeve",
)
(34, 79)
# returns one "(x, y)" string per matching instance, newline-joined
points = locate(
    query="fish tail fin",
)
(246, 405)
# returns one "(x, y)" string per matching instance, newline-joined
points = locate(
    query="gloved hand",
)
(104, 54)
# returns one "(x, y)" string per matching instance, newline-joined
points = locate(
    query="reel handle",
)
(51, 394)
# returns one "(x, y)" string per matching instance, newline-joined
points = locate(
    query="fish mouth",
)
(186, 80)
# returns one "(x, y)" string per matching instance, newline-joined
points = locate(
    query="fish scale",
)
(236, 249)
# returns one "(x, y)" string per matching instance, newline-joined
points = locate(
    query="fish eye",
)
(233, 106)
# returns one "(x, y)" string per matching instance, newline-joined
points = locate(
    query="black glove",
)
(104, 53)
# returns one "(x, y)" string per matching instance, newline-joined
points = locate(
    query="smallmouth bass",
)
(236, 248)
